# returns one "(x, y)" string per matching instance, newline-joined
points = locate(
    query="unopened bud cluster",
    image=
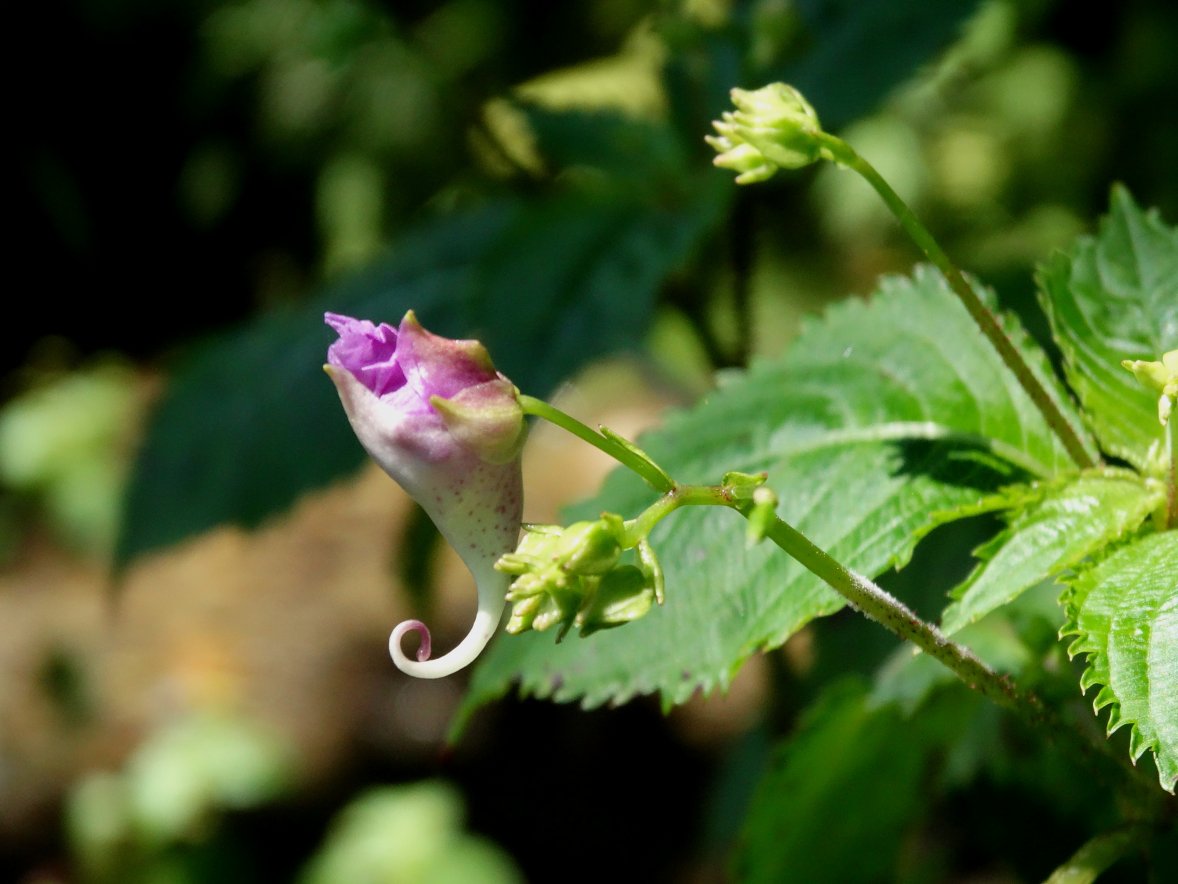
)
(772, 128)
(573, 576)
(1161, 377)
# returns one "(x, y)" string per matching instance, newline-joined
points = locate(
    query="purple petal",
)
(368, 351)
(437, 366)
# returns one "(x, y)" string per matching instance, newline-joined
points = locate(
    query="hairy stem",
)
(845, 155)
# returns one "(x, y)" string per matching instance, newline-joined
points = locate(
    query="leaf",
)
(1068, 522)
(851, 774)
(249, 422)
(879, 416)
(860, 50)
(1124, 614)
(1112, 297)
(629, 152)
(1095, 856)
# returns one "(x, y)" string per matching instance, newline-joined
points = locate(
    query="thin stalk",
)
(845, 155)
(881, 606)
(654, 476)
(1172, 476)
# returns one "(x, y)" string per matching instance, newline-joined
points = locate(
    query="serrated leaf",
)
(799, 826)
(1112, 297)
(880, 415)
(249, 422)
(1124, 614)
(1068, 522)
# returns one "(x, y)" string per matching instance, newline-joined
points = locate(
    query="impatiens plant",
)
(884, 421)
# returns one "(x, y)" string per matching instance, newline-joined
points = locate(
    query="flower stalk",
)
(775, 128)
(845, 155)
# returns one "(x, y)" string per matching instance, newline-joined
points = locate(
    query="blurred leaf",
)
(840, 794)
(1087, 863)
(1124, 612)
(1067, 523)
(249, 422)
(200, 765)
(881, 414)
(856, 52)
(628, 150)
(411, 833)
(1112, 297)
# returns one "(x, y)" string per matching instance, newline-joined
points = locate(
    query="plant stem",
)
(876, 603)
(628, 457)
(845, 155)
(1172, 477)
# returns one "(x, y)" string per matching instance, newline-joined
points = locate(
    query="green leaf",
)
(887, 41)
(249, 422)
(880, 415)
(1124, 614)
(1112, 297)
(624, 151)
(1067, 522)
(850, 775)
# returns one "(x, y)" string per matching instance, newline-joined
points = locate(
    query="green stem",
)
(845, 155)
(1172, 478)
(628, 457)
(887, 610)
(876, 603)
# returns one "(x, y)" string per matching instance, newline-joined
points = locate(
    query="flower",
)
(439, 419)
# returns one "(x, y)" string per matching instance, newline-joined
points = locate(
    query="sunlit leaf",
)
(1068, 522)
(1113, 297)
(1124, 614)
(881, 415)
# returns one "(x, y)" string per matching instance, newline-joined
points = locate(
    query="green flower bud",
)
(761, 516)
(772, 128)
(1161, 376)
(592, 547)
(622, 595)
(539, 612)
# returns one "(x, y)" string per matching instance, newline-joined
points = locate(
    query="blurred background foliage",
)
(196, 181)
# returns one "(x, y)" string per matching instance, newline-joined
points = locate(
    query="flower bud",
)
(622, 595)
(1161, 376)
(439, 419)
(591, 547)
(772, 128)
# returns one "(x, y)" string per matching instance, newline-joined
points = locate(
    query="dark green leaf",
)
(249, 422)
(850, 775)
(857, 51)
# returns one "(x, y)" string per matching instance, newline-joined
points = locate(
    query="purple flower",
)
(439, 419)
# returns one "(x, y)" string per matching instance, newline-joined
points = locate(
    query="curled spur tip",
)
(492, 589)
